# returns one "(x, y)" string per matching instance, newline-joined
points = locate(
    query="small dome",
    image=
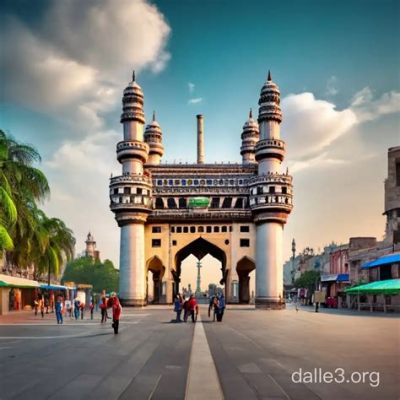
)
(153, 126)
(250, 123)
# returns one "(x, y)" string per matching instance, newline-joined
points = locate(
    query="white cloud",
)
(195, 100)
(368, 109)
(313, 124)
(72, 66)
(72, 63)
(331, 89)
(320, 161)
(191, 87)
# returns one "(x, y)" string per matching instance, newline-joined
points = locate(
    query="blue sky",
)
(64, 66)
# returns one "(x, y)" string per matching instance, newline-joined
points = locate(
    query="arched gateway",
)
(235, 212)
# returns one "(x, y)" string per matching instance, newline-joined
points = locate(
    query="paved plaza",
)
(252, 354)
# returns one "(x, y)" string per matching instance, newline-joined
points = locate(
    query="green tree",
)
(20, 185)
(102, 275)
(308, 280)
(29, 236)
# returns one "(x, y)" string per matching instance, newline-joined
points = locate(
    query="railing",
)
(131, 178)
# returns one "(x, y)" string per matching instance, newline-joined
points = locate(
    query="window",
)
(239, 203)
(397, 172)
(159, 203)
(230, 229)
(215, 202)
(182, 202)
(156, 229)
(156, 243)
(272, 189)
(192, 229)
(174, 243)
(171, 203)
(185, 229)
(244, 242)
(200, 229)
(244, 228)
(284, 189)
(115, 190)
(216, 229)
(209, 229)
(139, 191)
(179, 229)
(227, 203)
(172, 229)
(224, 229)
(259, 190)
(127, 190)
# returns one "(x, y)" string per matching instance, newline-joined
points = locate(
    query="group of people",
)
(190, 307)
(217, 306)
(76, 309)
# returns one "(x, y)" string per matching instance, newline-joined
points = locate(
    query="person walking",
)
(59, 308)
(103, 308)
(68, 307)
(213, 305)
(91, 309)
(221, 307)
(178, 307)
(82, 308)
(193, 307)
(41, 306)
(36, 305)
(115, 304)
(186, 309)
(77, 305)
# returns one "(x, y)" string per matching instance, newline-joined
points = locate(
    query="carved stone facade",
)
(235, 212)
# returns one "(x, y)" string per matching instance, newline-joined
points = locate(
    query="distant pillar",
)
(200, 139)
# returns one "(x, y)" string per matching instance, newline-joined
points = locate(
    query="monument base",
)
(263, 303)
(133, 302)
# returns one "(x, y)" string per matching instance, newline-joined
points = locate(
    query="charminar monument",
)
(234, 212)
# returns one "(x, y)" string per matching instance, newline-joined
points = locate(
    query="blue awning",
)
(335, 278)
(388, 259)
(54, 287)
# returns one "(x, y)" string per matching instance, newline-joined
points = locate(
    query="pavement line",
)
(202, 381)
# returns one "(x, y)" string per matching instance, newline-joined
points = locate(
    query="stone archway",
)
(244, 266)
(155, 266)
(199, 248)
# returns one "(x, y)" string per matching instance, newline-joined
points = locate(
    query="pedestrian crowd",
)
(76, 309)
(190, 307)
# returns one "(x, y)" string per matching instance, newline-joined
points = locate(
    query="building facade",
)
(234, 212)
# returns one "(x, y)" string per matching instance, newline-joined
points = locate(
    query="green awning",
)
(17, 282)
(389, 287)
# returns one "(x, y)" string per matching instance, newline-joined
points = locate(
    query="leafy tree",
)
(308, 280)
(102, 275)
(29, 236)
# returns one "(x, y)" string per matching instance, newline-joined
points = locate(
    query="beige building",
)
(234, 212)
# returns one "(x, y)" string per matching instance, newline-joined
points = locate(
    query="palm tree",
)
(20, 184)
(44, 242)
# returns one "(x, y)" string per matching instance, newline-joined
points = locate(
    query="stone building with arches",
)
(234, 212)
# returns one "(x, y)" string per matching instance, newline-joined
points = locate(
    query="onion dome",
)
(132, 102)
(250, 137)
(270, 102)
(153, 136)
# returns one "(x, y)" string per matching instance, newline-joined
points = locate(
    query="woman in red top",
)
(114, 303)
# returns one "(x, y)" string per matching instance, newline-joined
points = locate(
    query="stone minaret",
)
(250, 136)
(270, 200)
(130, 196)
(90, 246)
(153, 137)
(200, 139)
